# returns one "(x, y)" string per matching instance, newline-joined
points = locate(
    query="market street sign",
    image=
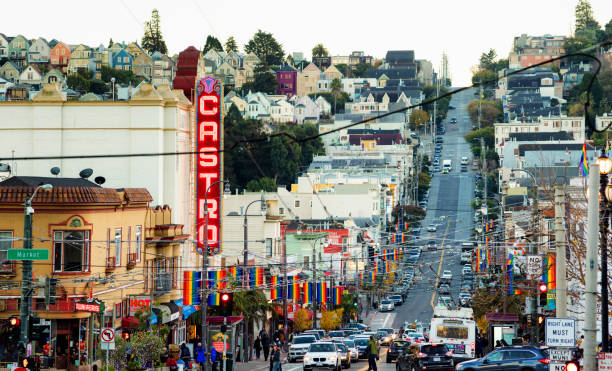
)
(27, 254)
(560, 332)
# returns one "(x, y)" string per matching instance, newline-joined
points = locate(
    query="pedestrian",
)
(478, 347)
(213, 359)
(185, 354)
(609, 341)
(200, 354)
(276, 358)
(504, 343)
(257, 347)
(372, 354)
(498, 344)
(265, 343)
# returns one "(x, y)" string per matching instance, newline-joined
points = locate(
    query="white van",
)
(464, 160)
(447, 166)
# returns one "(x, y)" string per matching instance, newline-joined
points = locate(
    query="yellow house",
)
(79, 58)
(308, 79)
(332, 72)
(143, 65)
(134, 49)
(110, 252)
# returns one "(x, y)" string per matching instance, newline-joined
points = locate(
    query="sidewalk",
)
(258, 364)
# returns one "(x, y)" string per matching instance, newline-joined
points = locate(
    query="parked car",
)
(386, 306)
(322, 355)
(426, 357)
(510, 358)
(395, 349)
(447, 275)
(299, 347)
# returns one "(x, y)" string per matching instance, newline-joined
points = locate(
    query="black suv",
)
(426, 356)
(395, 349)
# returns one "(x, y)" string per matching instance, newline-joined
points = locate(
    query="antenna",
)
(86, 173)
(55, 170)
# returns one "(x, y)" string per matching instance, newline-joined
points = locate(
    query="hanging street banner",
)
(208, 162)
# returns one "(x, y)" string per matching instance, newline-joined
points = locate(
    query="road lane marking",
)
(435, 288)
(386, 320)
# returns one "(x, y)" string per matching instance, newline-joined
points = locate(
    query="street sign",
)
(560, 332)
(562, 355)
(604, 361)
(108, 335)
(556, 366)
(534, 265)
(27, 254)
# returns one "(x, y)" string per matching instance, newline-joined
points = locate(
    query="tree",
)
(147, 346)
(212, 43)
(262, 184)
(253, 305)
(331, 319)
(152, 40)
(490, 112)
(484, 75)
(488, 59)
(319, 51)
(336, 88)
(77, 82)
(408, 213)
(302, 320)
(584, 17)
(97, 86)
(230, 44)
(418, 117)
(361, 70)
(110, 42)
(264, 81)
(265, 46)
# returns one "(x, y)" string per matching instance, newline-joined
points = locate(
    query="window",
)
(297, 203)
(281, 211)
(138, 239)
(71, 251)
(117, 243)
(495, 356)
(268, 247)
(6, 242)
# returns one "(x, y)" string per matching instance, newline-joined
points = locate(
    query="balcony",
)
(110, 263)
(162, 283)
(7, 268)
(132, 260)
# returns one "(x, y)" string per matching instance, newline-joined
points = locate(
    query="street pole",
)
(590, 310)
(285, 291)
(560, 270)
(314, 280)
(603, 180)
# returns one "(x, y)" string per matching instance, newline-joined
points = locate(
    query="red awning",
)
(129, 322)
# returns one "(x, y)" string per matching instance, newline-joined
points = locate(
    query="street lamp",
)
(245, 331)
(26, 276)
(204, 279)
(605, 189)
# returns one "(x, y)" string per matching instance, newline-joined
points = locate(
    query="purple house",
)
(287, 81)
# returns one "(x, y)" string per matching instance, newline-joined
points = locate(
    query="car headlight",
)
(333, 358)
(307, 359)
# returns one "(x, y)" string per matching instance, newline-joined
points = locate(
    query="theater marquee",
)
(209, 162)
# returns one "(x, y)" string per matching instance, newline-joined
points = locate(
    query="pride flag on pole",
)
(275, 289)
(192, 282)
(337, 295)
(307, 292)
(322, 292)
(584, 166)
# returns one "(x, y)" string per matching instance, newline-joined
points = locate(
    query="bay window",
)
(71, 251)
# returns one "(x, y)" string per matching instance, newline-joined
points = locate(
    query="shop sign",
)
(89, 305)
(209, 162)
(139, 302)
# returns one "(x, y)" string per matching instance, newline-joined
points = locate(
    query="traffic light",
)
(14, 329)
(226, 303)
(355, 301)
(14, 322)
(540, 319)
(571, 366)
(543, 289)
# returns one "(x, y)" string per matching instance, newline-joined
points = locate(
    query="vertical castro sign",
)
(209, 162)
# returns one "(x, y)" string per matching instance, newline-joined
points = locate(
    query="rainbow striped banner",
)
(192, 282)
(235, 273)
(403, 237)
(293, 291)
(216, 280)
(373, 276)
(395, 257)
(276, 289)
(307, 292)
(337, 295)
(322, 292)
(256, 277)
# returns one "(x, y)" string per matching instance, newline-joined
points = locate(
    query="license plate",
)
(436, 359)
(319, 364)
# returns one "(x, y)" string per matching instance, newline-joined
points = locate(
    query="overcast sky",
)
(462, 28)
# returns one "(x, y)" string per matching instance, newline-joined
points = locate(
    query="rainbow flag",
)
(403, 237)
(395, 257)
(293, 291)
(373, 276)
(214, 299)
(256, 277)
(387, 266)
(274, 289)
(307, 292)
(405, 226)
(322, 292)
(216, 279)
(393, 237)
(192, 282)
(478, 259)
(361, 277)
(584, 166)
(337, 295)
(488, 256)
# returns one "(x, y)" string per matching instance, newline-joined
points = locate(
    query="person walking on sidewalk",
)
(257, 347)
(265, 343)
(372, 354)
(276, 358)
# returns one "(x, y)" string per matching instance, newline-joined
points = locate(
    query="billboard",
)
(208, 163)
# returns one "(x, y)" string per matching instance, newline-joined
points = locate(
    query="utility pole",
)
(480, 106)
(314, 281)
(590, 293)
(357, 285)
(560, 270)
(285, 292)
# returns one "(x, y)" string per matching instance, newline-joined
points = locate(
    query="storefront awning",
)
(187, 309)
(168, 311)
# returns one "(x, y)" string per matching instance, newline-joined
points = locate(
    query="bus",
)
(447, 166)
(456, 329)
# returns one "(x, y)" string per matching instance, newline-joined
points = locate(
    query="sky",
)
(463, 29)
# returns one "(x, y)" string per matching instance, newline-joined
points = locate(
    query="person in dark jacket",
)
(185, 354)
(257, 347)
(265, 343)
(276, 358)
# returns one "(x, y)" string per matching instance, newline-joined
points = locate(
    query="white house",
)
(258, 106)
(281, 111)
(31, 75)
(324, 106)
(306, 110)
(39, 51)
(4, 85)
(4, 46)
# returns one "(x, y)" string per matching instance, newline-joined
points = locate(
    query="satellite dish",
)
(99, 180)
(85, 173)
(55, 170)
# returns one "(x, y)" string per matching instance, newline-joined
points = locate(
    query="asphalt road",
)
(449, 207)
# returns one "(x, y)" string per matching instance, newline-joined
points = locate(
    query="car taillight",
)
(473, 346)
(421, 355)
(544, 361)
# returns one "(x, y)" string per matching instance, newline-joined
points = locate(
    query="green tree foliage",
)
(152, 40)
(430, 92)
(361, 70)
(265, 46)
(490, 112)
(110, 42)
(263, 81)
(584, 17)
(336, 89)
(408, 213)
(350, 310)
(262, 184)
(482, 76)
(97, 86)
(487, 59)
(212, 43)
(230, 44)
(77, 82)
(253, 305)
(340, 100)
(319, 51)
(418, 117)
(488, 134)
(121, 77)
